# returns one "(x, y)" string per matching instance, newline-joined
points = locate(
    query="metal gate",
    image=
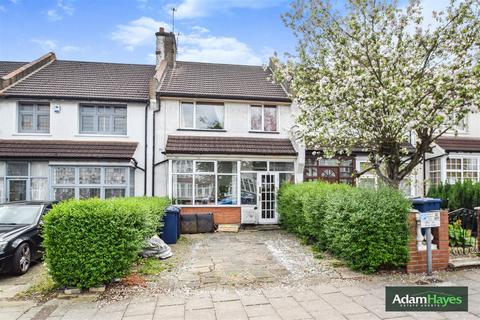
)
(463, 232)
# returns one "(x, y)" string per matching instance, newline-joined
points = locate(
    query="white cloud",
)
(204, 47)
(62, 8)
(71, 49)
(45, 44)
(137, 32)
(200, 29)
(202, 8)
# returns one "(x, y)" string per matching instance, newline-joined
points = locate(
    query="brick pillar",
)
(440, 256)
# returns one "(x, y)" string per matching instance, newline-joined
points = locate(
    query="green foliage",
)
(459, 195)
(367, 228)
(153, 266)
(460, 237)
(91, 242)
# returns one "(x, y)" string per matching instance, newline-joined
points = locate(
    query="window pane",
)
(204, 166)
(120, 110)
(209, 116)
(120, 124)
(286, 177)
(249, 188)
(205, 189)
(270, 121)
(227, 189)
(227, 167)
(366, 182)
(88, 124)
(2, 169)
(182, 166)
(256, 117)
(115, 176)
(17, 169)
(89, 175)
(39, 187)
(64, 175)
(26, 122)
(87, 109)
(254, 166)
(26, 108)
(63, 193)
(281, 166)
(186, 115)
(86, 193)
(43, 123)
(114, 193)
(182, 187)
(39, 169)
(2, 191)
(470, 164)
(43, 109)
(103, 124)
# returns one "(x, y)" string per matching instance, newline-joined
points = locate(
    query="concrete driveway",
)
(11, 285)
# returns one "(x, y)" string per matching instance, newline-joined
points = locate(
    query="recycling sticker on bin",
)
(430, 219)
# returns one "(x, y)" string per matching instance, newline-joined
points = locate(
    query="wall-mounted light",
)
(56, 108)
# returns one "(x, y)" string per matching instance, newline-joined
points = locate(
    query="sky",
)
(223, 31)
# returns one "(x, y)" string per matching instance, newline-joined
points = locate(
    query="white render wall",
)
(65, 126)
(236, 124)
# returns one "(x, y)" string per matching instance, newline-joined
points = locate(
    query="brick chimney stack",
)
(166, 47)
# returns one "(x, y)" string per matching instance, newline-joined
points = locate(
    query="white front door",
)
(267, 183)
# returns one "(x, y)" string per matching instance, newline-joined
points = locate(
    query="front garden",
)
(366, 228)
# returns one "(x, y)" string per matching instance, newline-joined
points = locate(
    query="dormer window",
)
(263, 118)
(202, 115)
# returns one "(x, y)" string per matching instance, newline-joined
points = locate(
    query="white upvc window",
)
(435, 170)
(84, 182)
(33, 117)
(264, 118)
(202, 115)
(461, 168)
(103, 119)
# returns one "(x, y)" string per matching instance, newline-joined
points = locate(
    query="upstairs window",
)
(103, 119)
(33, 118)
(202, 116)
(263, 118)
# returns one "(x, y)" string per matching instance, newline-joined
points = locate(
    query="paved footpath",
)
(362, 301)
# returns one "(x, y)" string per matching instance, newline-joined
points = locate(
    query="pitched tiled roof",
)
(60, 149)
(228, 145)
(222, 81)
(86, 80)
(459, 144)
(8, 66)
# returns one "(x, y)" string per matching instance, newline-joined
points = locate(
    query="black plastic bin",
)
(171, 225)
(197, 223)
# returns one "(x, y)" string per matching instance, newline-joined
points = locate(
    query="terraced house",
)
(213, 137)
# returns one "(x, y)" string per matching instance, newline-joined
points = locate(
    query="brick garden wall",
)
(418, 259)
(221, 215)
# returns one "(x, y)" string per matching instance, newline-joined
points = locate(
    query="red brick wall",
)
(221, 215)
(418, 259)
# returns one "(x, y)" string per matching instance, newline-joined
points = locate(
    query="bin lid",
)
(172, 209)
(426, 200)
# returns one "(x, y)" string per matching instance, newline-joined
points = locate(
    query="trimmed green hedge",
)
(91, 242)
(367, 228)
(459, 195)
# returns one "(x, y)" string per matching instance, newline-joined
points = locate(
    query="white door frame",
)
(262, 206)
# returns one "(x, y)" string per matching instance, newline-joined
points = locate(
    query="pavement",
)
(283, 280)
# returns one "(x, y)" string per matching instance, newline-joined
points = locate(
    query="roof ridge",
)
(26, 77)
(223, 64)
(104, 62)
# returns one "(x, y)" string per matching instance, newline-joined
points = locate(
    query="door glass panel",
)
(17, 190)
(267, 196)
(249, 188)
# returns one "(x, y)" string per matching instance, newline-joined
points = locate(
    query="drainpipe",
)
(153, 145)
(145, 139)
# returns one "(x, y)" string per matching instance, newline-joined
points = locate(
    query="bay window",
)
(202, 115)
(91, 182)
(263, 118)
(435, 172)
(459, 169)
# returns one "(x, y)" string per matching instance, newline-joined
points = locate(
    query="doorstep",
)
(228, 227)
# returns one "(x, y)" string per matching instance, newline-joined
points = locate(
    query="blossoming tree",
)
(376, 77)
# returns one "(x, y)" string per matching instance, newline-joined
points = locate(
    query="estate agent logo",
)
(426, 298)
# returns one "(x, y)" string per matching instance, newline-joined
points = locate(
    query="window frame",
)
(76, 185)
(35, 113)
(263, 106)
(194, 115)
(96, 114)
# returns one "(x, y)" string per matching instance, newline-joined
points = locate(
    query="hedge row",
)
(365, 227)
(91, 242)
(459, 195)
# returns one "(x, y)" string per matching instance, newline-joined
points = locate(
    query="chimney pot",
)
(162, 29)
